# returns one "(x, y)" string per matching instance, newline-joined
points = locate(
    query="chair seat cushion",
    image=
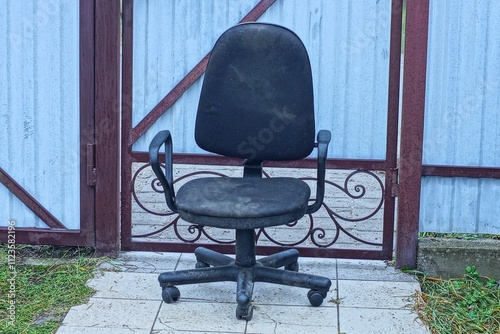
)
(242, 203)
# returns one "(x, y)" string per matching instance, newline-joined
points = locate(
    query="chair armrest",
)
(166, 180)
(324, 137)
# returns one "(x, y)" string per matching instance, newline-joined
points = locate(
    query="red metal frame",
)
(392, 127)
(461, 171)
(29, 201)
(130, 135)
(107, 123)
(127, 88)
(412, 126)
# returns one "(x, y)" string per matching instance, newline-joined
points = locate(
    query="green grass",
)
(467, 305)
(43, 293)
(465, 236)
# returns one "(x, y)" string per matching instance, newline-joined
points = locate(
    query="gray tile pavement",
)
(365, 297)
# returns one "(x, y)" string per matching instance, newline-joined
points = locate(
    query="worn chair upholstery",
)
(256, 104)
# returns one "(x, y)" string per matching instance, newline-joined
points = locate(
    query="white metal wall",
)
(462, 115)
(347, 41)
(39, 108)
(460, 205)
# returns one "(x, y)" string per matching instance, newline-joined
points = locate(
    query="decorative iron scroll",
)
(148, 195)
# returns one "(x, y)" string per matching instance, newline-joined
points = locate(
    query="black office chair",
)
(256, 103)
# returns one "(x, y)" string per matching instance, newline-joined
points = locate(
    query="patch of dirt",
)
(24, 252)
(51, 316)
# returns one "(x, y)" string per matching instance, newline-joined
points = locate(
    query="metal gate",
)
(357, 218)
(61, 123)
(40, 187)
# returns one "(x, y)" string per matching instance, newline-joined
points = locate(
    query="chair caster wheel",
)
(315, 297)
(244, 313)
(294, 266)
(170, 294)
(200, 264)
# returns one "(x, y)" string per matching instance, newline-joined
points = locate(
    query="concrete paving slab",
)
(166, 331)
(378, 321)
(126, 285)
(190, 316)
(318, 266)
(376, 294)
(186, 261)
(147, 262)
(113, 314)
(99, 330)
(293, 319)
(370, 270)
(273, 294)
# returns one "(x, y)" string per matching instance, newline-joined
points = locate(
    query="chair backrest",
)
(257, 96)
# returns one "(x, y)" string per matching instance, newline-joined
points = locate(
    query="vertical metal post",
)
(107, 117)
(392, 127)
(87, 117)
(126, 149)
(412, 126)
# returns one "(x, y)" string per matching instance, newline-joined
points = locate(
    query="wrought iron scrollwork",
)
(145, 185)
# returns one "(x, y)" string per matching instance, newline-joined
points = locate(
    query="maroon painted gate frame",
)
(131, 134)
(99, 144)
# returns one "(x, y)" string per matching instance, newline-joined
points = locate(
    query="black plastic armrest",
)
(324, 137)
(166, 180)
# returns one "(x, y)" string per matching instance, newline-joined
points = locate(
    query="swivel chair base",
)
(245, 270)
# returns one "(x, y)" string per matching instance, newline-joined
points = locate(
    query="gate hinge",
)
(91, 170)
(394, 182)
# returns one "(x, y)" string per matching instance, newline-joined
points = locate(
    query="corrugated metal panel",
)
(348, 43)
(462, 115)
(39, 108)
(461, 205)
(462, 118)
(170, 38)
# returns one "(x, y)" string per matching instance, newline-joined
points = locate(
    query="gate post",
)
(107, 123)
(412, 126)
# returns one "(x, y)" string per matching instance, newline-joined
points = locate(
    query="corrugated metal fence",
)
(462, 116)
(39, 109)
(349, 45)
